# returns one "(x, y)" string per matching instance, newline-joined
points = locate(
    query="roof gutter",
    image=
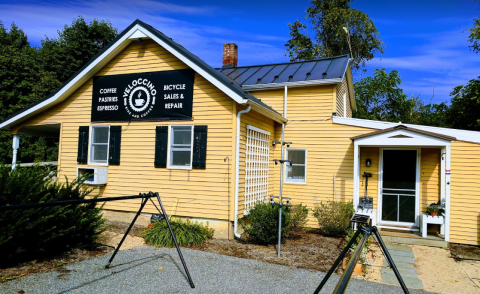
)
(291, 84)
(237, 170)
(268, 113)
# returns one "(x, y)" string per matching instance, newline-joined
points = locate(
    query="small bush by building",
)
(333, 217)
(298, 215)
(34, 233)
(187, 233)
(262, 226)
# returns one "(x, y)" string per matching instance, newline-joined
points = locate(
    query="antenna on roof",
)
(348, 39)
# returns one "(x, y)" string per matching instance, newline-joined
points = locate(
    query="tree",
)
(464, 112)
(325, 36)
(474, 36)
(75, 46)
(28, 74)
(380, 98)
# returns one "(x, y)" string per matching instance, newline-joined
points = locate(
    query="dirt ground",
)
(442, 271)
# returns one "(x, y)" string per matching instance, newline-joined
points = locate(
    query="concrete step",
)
(410, 282)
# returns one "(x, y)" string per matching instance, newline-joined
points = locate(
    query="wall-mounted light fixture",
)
(368, 162)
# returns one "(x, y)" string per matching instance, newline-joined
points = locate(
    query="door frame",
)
(417, 188)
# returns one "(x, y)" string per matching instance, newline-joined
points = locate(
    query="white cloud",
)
(206, 41)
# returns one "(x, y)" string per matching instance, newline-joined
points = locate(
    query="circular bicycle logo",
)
(140, 97)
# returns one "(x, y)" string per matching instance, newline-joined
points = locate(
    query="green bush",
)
(333, 217)
(187, 233)
(298, 215)
(36, 232)
(263, 223)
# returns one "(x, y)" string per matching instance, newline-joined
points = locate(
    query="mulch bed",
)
(306, 249)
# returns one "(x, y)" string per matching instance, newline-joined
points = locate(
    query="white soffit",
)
(461, 135)
(137, 34)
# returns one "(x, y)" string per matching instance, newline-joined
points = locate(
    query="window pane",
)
(298, 156)
(182, 135)
(296, 172)
(181, 158)
(100, 135)
(100, 152)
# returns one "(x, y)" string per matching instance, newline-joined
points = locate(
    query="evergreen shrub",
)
(187, 233)
(262, 226)
(34, 233)
(298, 215)
(334, 217)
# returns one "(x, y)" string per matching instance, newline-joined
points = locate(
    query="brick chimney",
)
(230, 55)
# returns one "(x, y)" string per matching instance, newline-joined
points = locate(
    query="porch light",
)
(368, 162)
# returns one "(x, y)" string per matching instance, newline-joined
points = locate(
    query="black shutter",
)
(114, 145)
(199, 146)
(161, 142)
(82, 155)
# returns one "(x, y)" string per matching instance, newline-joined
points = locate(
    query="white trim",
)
(90, 142)
(106, 57)
(381, 226)
(249, 127)
(169, 151)
(356, 174)
(237, 170)
(229, 92)
(295, 181)
(417, 188)
(461, 135)
(344, 104)
(447, 194)
(410, 139)
(290, 84)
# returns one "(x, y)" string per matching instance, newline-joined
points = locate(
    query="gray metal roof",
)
(290, 72)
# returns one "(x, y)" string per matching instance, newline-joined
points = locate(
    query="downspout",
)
(237, 170)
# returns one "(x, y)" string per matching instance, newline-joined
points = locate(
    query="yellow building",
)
(147, 115)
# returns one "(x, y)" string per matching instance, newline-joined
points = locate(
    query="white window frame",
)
(90, 145)
(169, 149)
(344, 104)
(295, 181)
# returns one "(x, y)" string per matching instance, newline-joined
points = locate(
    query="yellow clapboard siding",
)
(429, 177)
(372, 153)
(202, 193)
(465, 184)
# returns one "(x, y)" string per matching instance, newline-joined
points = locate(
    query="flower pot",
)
(358, 267)
(433, 213)
(358, 270)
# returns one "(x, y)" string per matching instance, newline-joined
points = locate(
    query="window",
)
(99, 144)
(180, 147)
(297, 172)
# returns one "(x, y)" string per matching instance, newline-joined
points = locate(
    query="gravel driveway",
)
(159, 270)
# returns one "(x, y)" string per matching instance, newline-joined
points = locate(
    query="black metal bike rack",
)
(144, 196)
(347, 274)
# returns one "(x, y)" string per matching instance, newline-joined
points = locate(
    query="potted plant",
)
(432, 210)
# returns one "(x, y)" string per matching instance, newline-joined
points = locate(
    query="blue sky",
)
(425, 40)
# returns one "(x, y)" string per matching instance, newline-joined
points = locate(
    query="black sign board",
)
(152, 96)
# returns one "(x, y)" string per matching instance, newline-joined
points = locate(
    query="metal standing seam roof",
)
(300, 71)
